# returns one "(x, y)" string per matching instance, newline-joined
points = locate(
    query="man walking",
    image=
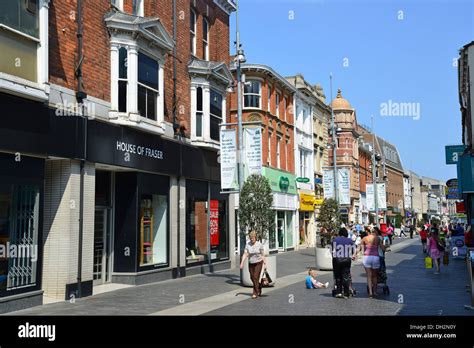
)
(343, 250)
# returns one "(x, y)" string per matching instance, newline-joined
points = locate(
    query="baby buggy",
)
(352, 291)
(382, 278)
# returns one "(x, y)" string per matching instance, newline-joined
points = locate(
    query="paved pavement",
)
(420, 291)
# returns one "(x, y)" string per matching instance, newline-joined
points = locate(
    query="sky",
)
(383, 54)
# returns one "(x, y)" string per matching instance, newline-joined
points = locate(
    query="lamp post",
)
(239, 59)
(334, 144)
(374, 176)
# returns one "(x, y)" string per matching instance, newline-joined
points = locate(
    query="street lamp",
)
(334, 143)
(375, 158)
(239, 59)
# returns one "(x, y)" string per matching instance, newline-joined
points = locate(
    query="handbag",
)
(266, 279)
(446, 258)
(428, 262)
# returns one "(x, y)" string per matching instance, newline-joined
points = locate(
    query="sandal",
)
(254, 296)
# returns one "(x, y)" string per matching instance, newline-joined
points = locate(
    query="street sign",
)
(305, 180)
(453, 152)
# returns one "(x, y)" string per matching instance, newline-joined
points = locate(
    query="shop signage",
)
(214, 222)
(134, 149)
(453, 152)
(229, 180)
(280, 181)
(252, 159)
(344, 211)
(284, 183)
(307, 202)
(304, 180)
(318, 201)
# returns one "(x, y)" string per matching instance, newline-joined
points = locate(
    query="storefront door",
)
(101, 269)
(281, 231)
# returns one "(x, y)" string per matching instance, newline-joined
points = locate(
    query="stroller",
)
(382, 277)
(352, 291)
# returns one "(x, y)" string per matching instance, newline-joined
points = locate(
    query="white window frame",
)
(259, 95)
(285, 105)
(118, 4)
(148, 87)
(269, 155)
(269, 98)
(211, 115)
(205, 40)
(286, 153)
(278, 152)
(277, 104)
(193, 31)
(140, 7)
(39, 89)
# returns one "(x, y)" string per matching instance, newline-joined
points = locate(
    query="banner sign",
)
(343, 185)
(381, 194)
(252, 158)
(229, 178)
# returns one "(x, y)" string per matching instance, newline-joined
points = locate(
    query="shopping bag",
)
(428, 262)
(446, 259)
(266, 280)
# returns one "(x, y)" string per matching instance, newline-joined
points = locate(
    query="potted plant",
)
(256, 214)
(329, 221)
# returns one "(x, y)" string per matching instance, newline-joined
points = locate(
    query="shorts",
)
(371, 262)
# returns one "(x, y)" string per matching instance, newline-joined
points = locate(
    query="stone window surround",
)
(33, 90)
(132, 115)
(206, 86)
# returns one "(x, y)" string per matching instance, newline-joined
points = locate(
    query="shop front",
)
(307, 226)
(285, 203)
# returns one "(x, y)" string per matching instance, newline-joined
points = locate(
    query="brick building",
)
(269, 98)
(109, 141)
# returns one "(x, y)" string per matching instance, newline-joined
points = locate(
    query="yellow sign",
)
(318, 201)
(307, 202)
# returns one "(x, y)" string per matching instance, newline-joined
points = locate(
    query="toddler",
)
(312, 283)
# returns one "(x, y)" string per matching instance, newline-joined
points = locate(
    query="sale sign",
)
(214, 220)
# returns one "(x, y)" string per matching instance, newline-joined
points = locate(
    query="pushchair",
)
(352, 291)
(382, 278)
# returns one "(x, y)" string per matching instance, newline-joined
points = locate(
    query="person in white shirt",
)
(254, 252)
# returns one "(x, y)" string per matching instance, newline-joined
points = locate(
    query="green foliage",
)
(255, 212)
(329, 220)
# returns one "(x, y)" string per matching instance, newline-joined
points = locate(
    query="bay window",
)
(122, 80)
(199, 112)
(147, 86)
(252, 94)
(216, 114)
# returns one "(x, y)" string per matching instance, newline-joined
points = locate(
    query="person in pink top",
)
(390, 230)
(370, 247)
(435, 249)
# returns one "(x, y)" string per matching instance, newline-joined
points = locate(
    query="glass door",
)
(281, 230)
(101, 249)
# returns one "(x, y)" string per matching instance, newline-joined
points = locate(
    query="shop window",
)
(196, 233)
(19, 226)
(153, 229)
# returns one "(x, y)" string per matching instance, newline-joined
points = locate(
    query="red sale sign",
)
(214, 219)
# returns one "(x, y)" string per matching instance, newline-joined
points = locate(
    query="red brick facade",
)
(280, 127)
(96, 65)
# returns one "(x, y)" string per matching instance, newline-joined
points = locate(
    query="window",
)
(278, 152)
(19, 41)
(138, 8)
(122, 80)
(301, 173)
(216, 114)
(287, 148)
(269, 154)
(19, 226)
(199, 112)
(269, 97)
(192, 26)
(284, 106)
(205, 39)
(147, 86)
(277, 105)
(153, 229)
(117, 4)
(252, 94)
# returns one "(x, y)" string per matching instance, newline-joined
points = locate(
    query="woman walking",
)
(435, 249)
(254, 251)
(371, 261)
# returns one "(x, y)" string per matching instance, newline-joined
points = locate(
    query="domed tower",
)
(347, 146)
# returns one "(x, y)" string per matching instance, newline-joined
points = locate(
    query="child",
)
(312, 283)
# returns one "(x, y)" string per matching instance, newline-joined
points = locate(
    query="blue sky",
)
(376, 54)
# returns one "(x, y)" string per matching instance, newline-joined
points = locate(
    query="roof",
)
(340, 103)
(390, 153)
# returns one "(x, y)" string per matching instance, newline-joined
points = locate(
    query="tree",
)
(329, 220)
(255, 212)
